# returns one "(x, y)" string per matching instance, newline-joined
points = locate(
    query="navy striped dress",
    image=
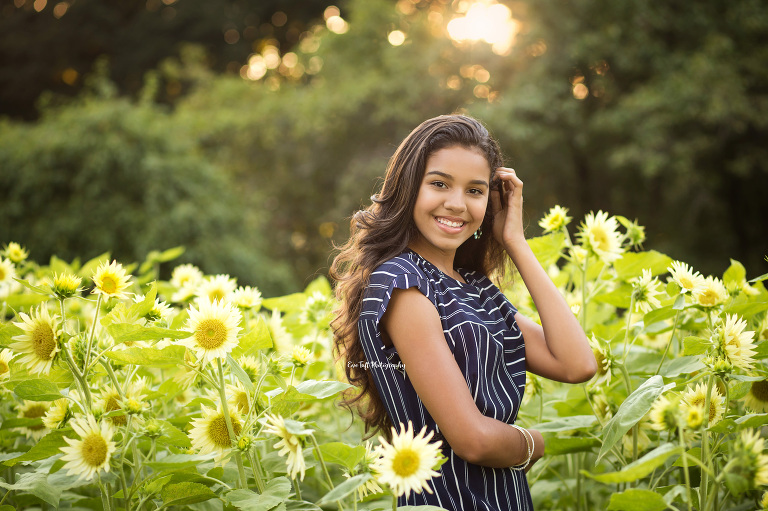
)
(480, 329)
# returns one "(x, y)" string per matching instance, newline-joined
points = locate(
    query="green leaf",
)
(342, 454)
(640, 468)
(761, 350)
(37, 484)
(735, 274)
(754, 420)
(240, 374)
(619, 297)
(257, 339)
(288, 303)
(637, 500)
(321, 285)
(156, 484)
(747, 309)
(37, 289)
(631, 411)
(299, 505)
(633, 264)
(275, 493)
(692, 453)
(170, 355)
(548, 248)
(565, 445)
(179, 461)
(90, 267)
(344, 489)
(141, 309)
(566, 424)
(659, 315)
(46, 447)
(173, 435)
(693, 345)
(37, 390)
(322, 389)
(129, 332)
(681, 365)
(185, 493)
(17, 302)
(7, 332)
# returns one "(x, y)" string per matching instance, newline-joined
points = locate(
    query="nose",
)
(455, 202)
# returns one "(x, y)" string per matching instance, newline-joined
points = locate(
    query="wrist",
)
(516, 246)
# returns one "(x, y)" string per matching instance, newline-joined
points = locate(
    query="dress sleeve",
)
(375, 302)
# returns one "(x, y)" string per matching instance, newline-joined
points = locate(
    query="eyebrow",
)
(448, 176)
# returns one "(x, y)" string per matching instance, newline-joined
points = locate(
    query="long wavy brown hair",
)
(384, 230)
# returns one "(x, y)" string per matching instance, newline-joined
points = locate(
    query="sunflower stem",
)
(705, 443)
(81, 382)
(92, 334)
(584, 293)
(105, 497)
(232, 437)
(256, 469)
(325, 468)
(669, 343)
(394, 502)
(626, 328)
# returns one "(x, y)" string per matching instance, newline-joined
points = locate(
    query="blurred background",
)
(249, 131)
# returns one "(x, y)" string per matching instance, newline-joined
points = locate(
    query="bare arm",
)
(413, 326)
(558, 348)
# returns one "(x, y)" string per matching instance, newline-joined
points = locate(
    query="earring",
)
(478, 233)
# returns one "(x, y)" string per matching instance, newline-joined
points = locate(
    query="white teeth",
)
(449, 223)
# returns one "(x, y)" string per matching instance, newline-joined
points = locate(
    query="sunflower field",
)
(121, 390)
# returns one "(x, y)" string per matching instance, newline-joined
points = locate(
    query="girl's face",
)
(452, 200)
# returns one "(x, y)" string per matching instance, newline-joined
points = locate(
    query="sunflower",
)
(251, 366)
(696, 397)
(407, 464)
(291, 434)
(751, 463)
(216, 288)
(555, 219)
(33, 410)
(301, 356)
(110, 280)
(15, 252)
(6, 356)
(210, 434)
(89, 455)
(737, 343)
(110, 401)
(764, 501)
(247, 298)
(39, 343)
(66, 285)
(711, 293)
(238, 398)
(186, 275)
(317, 310)
(57, 414)
(664, 413)
(7, 271)
(644, 292)
(684, 276)
(757, 397)
(214, 327)
(370, 486)
(599, 234)
(604, 358)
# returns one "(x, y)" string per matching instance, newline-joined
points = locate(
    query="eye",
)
(438, 184)
(476, 191)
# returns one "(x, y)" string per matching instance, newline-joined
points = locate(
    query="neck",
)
(442, 259)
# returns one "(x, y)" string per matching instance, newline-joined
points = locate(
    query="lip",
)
(447, 228)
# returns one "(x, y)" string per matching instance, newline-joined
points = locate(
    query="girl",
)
(445, 348)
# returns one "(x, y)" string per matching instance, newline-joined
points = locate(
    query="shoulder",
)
(404, 264)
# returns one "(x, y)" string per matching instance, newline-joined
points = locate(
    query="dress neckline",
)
(441, 272)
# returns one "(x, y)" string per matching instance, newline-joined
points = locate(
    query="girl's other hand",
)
(507, 208)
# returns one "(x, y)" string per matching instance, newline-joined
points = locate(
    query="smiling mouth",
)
(450, 223)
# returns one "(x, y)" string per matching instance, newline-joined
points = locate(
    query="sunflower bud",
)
(66, 285)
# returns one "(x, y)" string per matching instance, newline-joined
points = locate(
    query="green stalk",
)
(705, 444)
(626, 329)
(238, 457)
(256, 469)
(325, 468)
(584, 293)
(93, 333)
(394, 502)
(669, 343)
(81, 382)
(105, 496)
